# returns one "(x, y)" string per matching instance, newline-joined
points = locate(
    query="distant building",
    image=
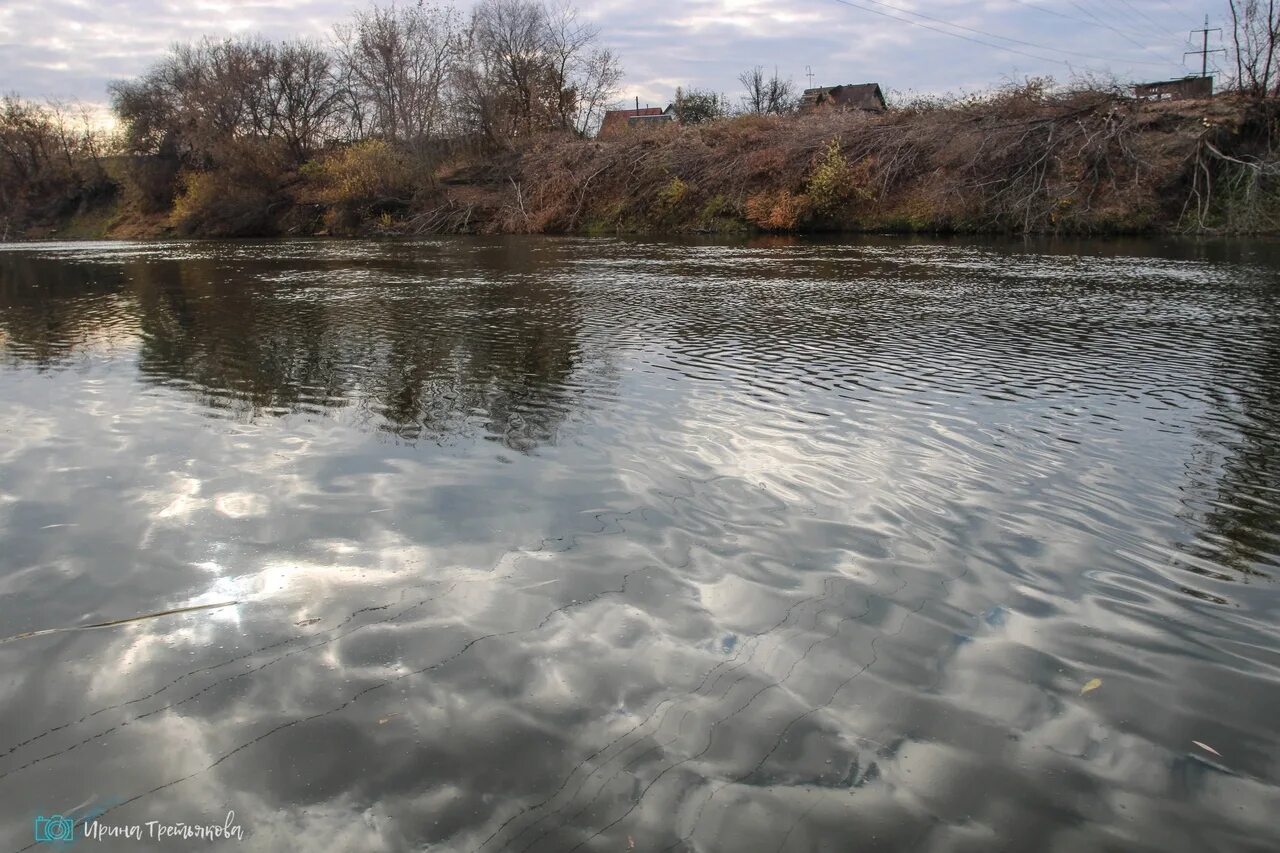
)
(1175, 90)
(850, 96)
(617, 121)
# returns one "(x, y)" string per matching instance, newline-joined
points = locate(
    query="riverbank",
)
(1022, 160)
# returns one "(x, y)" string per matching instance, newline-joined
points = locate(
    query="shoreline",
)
(1023, 162)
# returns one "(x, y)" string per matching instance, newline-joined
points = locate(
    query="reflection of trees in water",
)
(497, 357)
(232, 343)
(1240, 522)
(430, 362)
(50, 308)
(509, 373)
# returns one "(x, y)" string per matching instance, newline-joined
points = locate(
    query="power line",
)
(1101, 23)
(1093, 23)
(1058, 14)
(984, 33)
(1169, 6)
(1006, 38)
(949, 33)
(1112, 11)
(1138, 13)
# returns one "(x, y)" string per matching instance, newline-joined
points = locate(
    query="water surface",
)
(555, 545)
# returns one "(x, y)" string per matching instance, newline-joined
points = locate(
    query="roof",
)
(1185, 87)
(862, 96)
(618, 119)
(645, 111)
(1195, 78)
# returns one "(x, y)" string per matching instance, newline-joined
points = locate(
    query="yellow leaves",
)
(367, 172)
(835, 182)
(670, 196)
(1090, 685)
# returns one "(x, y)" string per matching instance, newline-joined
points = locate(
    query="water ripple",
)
(547, 545)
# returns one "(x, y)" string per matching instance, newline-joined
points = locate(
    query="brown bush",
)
(149, 183)
(782, 210)
(51, 163)
(236, 198)
(767, 163)
(1024, 159)
(217, 204)
(370, 176)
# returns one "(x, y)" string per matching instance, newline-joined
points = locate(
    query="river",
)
(596, 544)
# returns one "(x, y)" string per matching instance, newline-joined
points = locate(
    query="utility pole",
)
(808, 72)
(1204, 52)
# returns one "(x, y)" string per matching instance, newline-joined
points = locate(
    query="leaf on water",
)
(1091, 684)
(1207, 748)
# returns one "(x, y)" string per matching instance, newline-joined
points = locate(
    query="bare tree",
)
(535, 68)
(304, 96)
(204, 95)
(585, 77)
(509, 36)
(28, 141)
(1255, 38)
(405, 73)
(766, 95)
(231, 87)
(182, 105)
(146, 114)
(48, 154)
(395, 61)
(597, 87)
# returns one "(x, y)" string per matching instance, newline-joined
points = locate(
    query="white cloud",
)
(72, 48)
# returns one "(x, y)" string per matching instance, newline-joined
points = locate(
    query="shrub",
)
(149, 182)
(830, 182)
(218, 204)
(368, 176)
(674, 192)
(699, 106)
(237, 196)
(777, 211)
(716, 207)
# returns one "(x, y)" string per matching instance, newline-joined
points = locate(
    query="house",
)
(1175, 90)
(617, 121)
(850, 96)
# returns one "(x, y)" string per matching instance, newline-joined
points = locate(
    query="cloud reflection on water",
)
(536, 548)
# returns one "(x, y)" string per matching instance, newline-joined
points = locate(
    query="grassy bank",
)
(1023, 160)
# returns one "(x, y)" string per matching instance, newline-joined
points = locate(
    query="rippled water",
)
(548, 545)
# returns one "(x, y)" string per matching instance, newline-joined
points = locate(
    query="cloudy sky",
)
(69, 49)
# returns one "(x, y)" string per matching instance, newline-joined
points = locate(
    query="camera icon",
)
(55, 827)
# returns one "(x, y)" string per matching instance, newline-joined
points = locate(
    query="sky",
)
(71, 49)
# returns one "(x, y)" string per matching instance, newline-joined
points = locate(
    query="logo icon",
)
(55, 827)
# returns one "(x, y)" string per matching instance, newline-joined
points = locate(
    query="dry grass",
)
(1021, 160)
(1024, 159)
